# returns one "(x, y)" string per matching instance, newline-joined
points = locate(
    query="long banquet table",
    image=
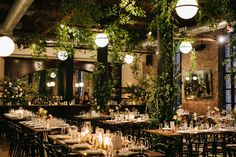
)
(73, 146)
(181, 137)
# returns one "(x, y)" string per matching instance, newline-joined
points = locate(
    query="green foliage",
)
(125, 11)
(85, 13)
(192, 61)
(140, 91)
(162, 99)
(164, 91)
(38, 47)
(102, 91)
(69, 37)
(18, 91)
(163, 14)
(232, 57)
(213, 14)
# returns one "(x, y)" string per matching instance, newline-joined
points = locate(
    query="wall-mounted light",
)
(186, 9)
(62, 55)
(185, 47)
(7, 46)
(101, 40)
(187, 78)
(194, 78)
(53, 75)
(128, 59)
(51, 84)
(221, 39)
(79, 84)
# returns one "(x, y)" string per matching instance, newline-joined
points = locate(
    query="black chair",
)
(194, 145)
(230, 150)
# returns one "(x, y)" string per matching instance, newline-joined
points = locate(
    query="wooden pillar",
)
(61, 86)
(69, 64)
(102, 56)
(42, 83)
(102, 81)
(2, 63)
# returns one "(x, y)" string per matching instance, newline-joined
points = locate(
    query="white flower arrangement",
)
(16, 91)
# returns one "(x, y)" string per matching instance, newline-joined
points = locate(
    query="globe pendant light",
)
(53, 75)
(7, 46)
(185, 47)
(128, 59)
(62, 55)
(186, 9)
(101, 40)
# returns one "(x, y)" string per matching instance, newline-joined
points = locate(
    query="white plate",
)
(166, 128)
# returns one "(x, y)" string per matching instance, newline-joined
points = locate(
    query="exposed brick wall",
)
(205, 60)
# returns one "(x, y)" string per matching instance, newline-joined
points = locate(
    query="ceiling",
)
(41, 15)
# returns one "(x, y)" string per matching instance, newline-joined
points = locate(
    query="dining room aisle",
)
(4, 147)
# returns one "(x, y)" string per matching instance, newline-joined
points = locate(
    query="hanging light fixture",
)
(221, 39)
(62, 55)
(185, 47)
(7, 46)
(51, 84)
(53, 75)
(79, 84)
(101, 40)
(128, 59)
(186, 9)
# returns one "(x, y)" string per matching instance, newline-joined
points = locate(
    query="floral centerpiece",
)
(42, 113)
(17, 92)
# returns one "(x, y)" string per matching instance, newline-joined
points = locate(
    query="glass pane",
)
(178, 58)
(227, 66)
(235, 96)
(227, 81)
(228, 96)
(228, 107)
(227, 51)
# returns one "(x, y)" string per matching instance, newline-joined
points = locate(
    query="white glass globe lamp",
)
(101, 40)
(128, 59)
(53, 75)
(186, 9)
(62, 55)
(7, 46)
(185, 47)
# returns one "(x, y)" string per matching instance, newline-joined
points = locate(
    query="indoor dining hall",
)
(117, 78)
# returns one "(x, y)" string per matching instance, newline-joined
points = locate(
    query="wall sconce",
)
(185, 47)
(53, 75)
(62, 55)
(128, 59)
(186, 9)
(7, 46)
(221, 39)
(79, 84)
(101, 40)
(51, 84)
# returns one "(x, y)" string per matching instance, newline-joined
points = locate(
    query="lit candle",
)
(106, 141)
